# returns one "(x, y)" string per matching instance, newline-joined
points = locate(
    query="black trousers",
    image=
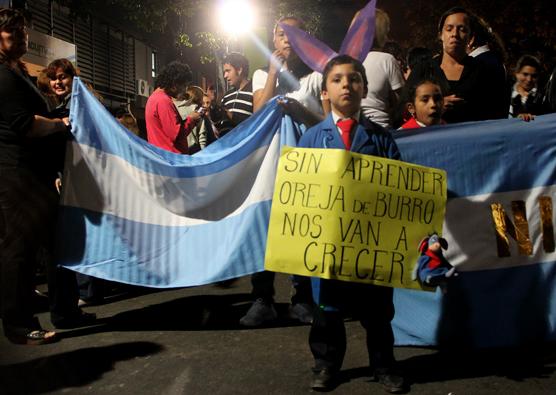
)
(372, 305)
(263, 288)
(26, 222)
(27, 225)
(91, 289)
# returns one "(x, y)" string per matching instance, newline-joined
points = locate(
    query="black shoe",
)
(82, 319)
(391, 382)
(302, 312)
(259, 313)
(323, 380)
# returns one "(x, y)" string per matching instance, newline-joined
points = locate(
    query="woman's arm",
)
(42, 126)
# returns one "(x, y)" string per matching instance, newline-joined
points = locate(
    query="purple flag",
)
(359, 38)
(310, 50)
(357, 43)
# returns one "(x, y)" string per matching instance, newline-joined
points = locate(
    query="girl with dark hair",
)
(61, 73)
(424, 102)
(526, 100)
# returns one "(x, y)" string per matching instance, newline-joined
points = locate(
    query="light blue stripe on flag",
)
(137, 214)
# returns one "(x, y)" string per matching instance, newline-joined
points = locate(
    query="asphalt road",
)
(188, 341)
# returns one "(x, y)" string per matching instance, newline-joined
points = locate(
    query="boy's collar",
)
(336, 117)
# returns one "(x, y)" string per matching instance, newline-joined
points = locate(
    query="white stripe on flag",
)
(470, 230)
(128, 192)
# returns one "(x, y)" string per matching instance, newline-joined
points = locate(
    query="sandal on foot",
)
(34, 338)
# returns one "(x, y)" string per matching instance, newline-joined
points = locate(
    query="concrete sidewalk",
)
(188, 341)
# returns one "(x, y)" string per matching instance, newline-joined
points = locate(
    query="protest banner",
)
(347, 216)
(139, 215)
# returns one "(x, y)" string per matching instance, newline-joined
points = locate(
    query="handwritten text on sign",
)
(353, 217)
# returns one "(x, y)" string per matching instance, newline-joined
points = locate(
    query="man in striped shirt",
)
(238, 100)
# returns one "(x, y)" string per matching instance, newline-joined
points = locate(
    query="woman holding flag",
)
(27, 206)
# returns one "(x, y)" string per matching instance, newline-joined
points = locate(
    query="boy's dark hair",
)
(528, 60)
(175, 73)
(238, 61)
(344, 59)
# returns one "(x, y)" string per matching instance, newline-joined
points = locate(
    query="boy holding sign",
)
(344, 85)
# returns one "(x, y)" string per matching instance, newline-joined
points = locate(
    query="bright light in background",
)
(236, 16)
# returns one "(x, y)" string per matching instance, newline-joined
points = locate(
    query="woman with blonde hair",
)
(384, 75)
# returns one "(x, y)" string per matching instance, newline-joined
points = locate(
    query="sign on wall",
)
(43, 49)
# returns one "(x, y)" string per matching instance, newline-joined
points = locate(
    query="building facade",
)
(120, 66)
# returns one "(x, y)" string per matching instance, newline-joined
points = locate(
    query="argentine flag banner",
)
(133, 213)
(137, 214)
(500, 229)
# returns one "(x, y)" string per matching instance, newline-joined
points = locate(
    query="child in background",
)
(424, 104)
(345, 84)
(526, 100)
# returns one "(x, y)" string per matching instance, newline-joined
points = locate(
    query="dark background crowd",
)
(454, 68)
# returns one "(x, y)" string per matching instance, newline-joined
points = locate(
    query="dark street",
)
(188, 341)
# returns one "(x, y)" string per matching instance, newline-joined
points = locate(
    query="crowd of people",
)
(352, 105)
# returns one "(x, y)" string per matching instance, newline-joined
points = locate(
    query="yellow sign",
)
(346, 216)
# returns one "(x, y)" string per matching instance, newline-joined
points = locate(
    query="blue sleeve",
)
(307, 139)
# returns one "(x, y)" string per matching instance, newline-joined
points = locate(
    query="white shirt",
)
(308, 93)
(479, 50)
(532, 92)
(384, 76)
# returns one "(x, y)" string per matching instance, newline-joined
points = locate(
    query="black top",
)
(239, 102)
(533, 104)
(483, 93)
(20, 102)
(497, 79)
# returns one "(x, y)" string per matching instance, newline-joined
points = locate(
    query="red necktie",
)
(345, 126)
